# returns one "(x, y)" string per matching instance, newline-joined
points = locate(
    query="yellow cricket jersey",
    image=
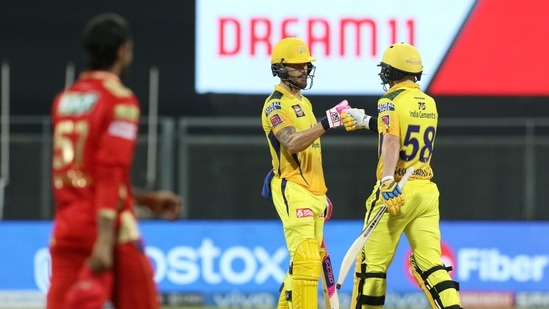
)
(282, 109)
(407, 112)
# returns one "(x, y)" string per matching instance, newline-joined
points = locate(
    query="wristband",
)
(325, 123)
(384, 179)
(366, 120)
(372, 124)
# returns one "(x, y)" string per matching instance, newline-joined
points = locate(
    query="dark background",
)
(39, 38)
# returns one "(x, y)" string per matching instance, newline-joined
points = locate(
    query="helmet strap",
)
(278, 69)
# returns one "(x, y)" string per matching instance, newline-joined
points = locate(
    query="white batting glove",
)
(333, 115)
(354, 118)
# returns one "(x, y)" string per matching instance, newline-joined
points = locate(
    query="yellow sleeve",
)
(388, 119)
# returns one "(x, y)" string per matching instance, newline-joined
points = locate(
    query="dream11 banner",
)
(468, 47)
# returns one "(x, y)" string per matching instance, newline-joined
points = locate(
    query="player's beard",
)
(299, 81)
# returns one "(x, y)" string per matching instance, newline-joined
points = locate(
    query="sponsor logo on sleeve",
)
(385, 106)
(275, 120)
(386, 120)
(123, 129)
(272, 107)
(298, 111)
(126, 112)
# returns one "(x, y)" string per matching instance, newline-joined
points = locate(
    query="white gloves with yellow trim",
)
(354, 119)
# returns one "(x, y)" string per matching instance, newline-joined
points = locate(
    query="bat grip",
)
(404, 179)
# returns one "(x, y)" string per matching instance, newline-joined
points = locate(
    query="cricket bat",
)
(357, 245)
(331, 300)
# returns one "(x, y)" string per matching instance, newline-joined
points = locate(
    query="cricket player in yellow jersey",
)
(407, 126)
(296, 183)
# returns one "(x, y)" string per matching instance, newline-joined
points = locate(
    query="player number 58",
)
(413, 146)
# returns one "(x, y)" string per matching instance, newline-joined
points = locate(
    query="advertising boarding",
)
(468, 47)
(242, 263)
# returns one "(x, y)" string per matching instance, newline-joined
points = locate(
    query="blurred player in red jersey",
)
(96, 248)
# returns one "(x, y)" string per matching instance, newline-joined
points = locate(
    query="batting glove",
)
(333, 115)
(391, 195)
(354, 119)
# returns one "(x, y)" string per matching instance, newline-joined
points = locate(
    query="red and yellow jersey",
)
(95, 123)
(282, 109)
(407, 112)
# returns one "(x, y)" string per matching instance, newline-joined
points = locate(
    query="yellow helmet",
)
(400, 60)
(291, 50)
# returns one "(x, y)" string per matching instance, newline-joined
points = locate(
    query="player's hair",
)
(102, 37)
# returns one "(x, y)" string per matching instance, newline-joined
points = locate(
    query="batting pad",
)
(306, 270)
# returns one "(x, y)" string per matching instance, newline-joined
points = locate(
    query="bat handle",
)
(404, 179)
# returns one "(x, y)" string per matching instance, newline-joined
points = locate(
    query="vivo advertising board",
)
(234, 40)
(251, 257)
